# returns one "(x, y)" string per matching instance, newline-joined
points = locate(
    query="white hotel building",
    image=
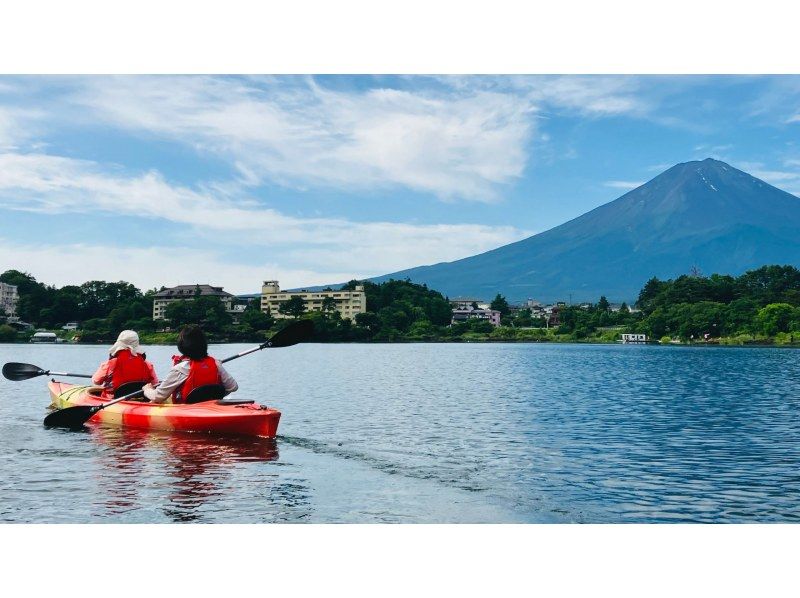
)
(348, 303)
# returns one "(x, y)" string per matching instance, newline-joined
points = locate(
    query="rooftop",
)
(186, 291)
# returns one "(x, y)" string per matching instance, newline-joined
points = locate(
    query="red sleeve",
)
(153, 375)
(99, 376)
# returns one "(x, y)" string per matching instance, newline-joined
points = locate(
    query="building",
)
(462, 315)
(466, 303)
(347, 303)
(8, 298)
(70, 326)
(634, 338)
(184, 292)
(44, 337)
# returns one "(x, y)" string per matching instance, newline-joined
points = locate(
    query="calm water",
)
(433, 433)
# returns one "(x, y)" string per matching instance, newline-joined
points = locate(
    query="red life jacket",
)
(201, 372)
(125, 367)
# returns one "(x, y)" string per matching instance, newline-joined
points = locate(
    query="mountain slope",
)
(705, 214)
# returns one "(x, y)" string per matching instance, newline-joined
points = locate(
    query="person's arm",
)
(153, 375)
(100, 375)
(226, 379)
(172, 382)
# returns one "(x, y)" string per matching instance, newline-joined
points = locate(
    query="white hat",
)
(127, 339)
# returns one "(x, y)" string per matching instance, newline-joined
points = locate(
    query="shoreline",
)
(753, 344)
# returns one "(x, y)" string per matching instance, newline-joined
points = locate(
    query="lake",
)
(432, 433)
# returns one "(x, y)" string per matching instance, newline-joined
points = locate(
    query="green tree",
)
(480, 325)
(369, 321)
(422, 329)
(603, 305)
(7, 334)
(256, 319)
(206, 311)
(770, 284)
(295, 306)
(500, 304)
(777, 317)
(328, 306)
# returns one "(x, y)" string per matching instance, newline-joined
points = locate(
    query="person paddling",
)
(192, 369)
(127, 368)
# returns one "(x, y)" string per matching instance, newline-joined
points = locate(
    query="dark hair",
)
(192, 342)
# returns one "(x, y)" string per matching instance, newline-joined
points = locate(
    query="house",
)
(467, 303)
(462, 315)
(634, 338)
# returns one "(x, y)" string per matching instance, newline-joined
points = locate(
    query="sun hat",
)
(127, 339)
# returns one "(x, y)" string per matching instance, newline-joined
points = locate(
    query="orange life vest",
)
(125, 367)
(201, 372)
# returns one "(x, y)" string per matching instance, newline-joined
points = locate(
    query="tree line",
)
(758, 306)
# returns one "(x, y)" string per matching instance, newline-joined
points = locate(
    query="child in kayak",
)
(192, 369)
(127, 366)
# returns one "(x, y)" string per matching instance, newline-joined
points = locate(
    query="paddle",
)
(25, 371)
(73, 418)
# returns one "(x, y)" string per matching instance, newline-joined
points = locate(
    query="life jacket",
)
(126, 367)
(201, 372)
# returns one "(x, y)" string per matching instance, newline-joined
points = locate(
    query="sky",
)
(232, 180)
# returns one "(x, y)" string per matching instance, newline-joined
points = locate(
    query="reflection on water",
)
(196, 470)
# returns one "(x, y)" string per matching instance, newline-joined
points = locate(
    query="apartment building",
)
(348, 303)
(184, 292)
(8, 298)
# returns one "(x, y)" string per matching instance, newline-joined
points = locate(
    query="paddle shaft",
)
(243, 353)
(67, 374)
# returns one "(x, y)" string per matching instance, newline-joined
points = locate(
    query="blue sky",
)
(309, 180)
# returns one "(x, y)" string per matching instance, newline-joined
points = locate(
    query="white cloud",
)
(16, 126)
(775, 177)
(54, 184)
(786, 180)
(602, 96)
(794, 119)
(456, 145)
(627, 185)
(595, 95)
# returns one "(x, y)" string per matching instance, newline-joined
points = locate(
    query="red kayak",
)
(215, 417)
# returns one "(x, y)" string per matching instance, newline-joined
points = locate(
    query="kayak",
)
(215, 417)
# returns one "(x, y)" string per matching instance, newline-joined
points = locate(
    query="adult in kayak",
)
(192, 370)
(127, 368)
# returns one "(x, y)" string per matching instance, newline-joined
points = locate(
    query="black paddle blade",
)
(21, 371)
(71, 418)
(296, 332)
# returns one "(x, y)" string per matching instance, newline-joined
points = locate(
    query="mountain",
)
(704, 214)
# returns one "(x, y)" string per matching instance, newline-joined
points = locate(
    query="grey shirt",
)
(177, 376)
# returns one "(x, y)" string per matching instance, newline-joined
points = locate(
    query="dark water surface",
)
(433, 433)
